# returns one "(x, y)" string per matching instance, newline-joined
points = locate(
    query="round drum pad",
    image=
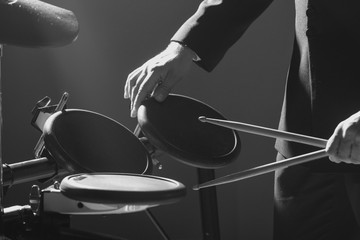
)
(84, 141)
(122, 189)
(173, 127)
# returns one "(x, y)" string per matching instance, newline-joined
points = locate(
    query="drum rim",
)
(59, 153)
(155, 139)
(104, 196)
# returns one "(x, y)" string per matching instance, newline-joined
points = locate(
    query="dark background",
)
(117, 36)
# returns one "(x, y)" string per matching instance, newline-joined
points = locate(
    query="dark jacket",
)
(323, 85)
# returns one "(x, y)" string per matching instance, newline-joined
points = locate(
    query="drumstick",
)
(268, 132)
(263, 169)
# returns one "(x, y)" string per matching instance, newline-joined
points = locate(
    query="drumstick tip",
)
(196, 187)
(202, 119)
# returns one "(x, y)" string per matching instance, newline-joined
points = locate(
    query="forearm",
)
(216, 26)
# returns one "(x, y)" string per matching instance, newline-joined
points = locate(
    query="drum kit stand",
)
(70, 164)
(78, 150)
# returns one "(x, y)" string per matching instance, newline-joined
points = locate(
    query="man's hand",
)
(344, 144)
(158, 75)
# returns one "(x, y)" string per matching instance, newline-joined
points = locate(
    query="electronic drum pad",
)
(85, 141)
(122, 189)
(172, 126)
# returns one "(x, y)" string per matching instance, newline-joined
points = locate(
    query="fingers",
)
(332, 148)
(344, 145)
(158, 75)
(143, 90)
(355, 152)
(142, 83)
(131, 81)
(162, 90)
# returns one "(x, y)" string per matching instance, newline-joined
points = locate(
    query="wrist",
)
(182, 47)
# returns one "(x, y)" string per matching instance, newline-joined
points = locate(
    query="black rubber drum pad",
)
(173, 127)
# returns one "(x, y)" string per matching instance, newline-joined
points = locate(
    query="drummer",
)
(317, 200)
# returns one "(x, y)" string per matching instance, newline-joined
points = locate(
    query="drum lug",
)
(157, 163)
(153, 151)
(35, 199)
(149, 147)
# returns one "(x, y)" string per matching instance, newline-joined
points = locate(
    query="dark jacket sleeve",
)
(216, 26)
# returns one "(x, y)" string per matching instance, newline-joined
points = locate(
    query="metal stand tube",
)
(209, 206)
(137, 132)
(1, 171)
(157, 225)
(30, 170)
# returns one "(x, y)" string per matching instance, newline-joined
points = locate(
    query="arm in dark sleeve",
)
(216, 26)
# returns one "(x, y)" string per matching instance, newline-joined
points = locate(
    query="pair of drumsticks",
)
(268, 132)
